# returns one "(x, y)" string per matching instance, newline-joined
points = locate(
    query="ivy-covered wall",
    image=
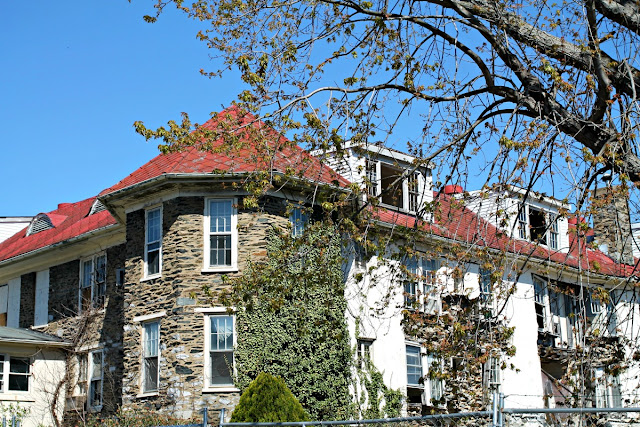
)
(291, 323)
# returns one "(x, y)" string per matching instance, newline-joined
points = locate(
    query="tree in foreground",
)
(268, 399)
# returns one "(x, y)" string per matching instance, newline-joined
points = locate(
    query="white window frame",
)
(144, 370)
(91, 379)
(607, 389)
(420, 290)
(94, 303)
(541, 302)
(373, 173)
(485, 287)
(5, 373)
(552, 232)
(208, 314)
(148, 243)
(364, 351)
(420, 366)
(434, 387)
(233, 233)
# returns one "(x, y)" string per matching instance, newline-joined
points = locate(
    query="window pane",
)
(414, 365)
(221, 367)
(95, 393)
(87, 268)
(150, 374)
(221, 333)
(96, 371)
(151, 336)
(153, 262)
(19, 365)
(18, 382)
(220, 216)
(153, 226)
(220, 250)
(101, 269)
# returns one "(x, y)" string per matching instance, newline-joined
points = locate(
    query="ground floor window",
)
(15, 373)
(220, 342)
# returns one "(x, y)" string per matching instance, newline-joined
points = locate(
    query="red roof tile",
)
(254, 147)
(452, 221)
(70, 220)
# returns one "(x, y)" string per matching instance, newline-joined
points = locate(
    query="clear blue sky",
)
(75, 75)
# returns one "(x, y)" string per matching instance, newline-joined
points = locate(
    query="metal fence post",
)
(494, 409)
(221, 417)
(500, 408)
(205, 418)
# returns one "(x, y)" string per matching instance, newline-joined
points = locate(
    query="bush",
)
(268, 399)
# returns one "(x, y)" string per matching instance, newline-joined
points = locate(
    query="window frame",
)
(97, 299)
(298, 220)
(144, 357)
(147, 243)
(207, 267)
(434, 387)
(208, 315)
(417, 366)
(551, 237)
(6, 374)
(364, 351)
(420, 284)
(98, 379)
(409, 191)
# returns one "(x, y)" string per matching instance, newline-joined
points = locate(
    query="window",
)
(421, 277)
(150, 354)
(298, 221)
(435, 383)
(486, 291)
(607, 390)
(393, 186)
(414, 366)
(221, 342)
(96, 378)
(372, 178)
(153, 242)
(533, 224)
(493, 373)
(14, 373)
(364, 352)
(540, 304)
(221, 240)
(93, 281)
(553, 234)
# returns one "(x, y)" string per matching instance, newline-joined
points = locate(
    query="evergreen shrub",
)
(268, 399)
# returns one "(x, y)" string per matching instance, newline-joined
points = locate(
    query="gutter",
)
(72, 240)
(41, 343)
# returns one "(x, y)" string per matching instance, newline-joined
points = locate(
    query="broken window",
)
(391, 186)
(538, 226)
(540, 305)
(93, 282)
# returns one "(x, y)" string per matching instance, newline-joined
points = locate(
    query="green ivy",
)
(290, 312)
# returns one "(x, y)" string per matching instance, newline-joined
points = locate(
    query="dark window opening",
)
(392, 193)
(538, 226)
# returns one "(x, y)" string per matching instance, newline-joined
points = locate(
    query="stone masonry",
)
(178, 292)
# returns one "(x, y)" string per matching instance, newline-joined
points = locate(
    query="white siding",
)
(42, 298)
(13, 315)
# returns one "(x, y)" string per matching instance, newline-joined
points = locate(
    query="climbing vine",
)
(290, 320)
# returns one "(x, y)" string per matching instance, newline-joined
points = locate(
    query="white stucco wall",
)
(47, 370)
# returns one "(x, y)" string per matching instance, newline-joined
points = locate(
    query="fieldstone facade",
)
(177, 294)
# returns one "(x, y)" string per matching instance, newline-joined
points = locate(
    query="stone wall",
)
(178, 292)
(27, 299)
(612, 224)
(63, 290)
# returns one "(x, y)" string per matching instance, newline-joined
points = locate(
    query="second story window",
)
(538, 226)
(221, 235)
(298, 221)
(153, 242)
(420, 291)
(151, 351)
(93, 282)
(393, 186)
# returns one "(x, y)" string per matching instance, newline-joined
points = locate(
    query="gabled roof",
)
(29, 337)
(70, 220)
(453, 221)
(251, 146)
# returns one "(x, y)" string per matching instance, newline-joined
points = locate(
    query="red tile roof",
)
(253, 147)
(258, 147)
(452, 221)
(70, 220)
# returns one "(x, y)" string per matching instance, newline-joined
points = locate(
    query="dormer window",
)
(394, 187)
(39, 223)
(97, 206)
(533, 226)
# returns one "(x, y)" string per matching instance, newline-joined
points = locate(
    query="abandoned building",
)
(101, 302)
